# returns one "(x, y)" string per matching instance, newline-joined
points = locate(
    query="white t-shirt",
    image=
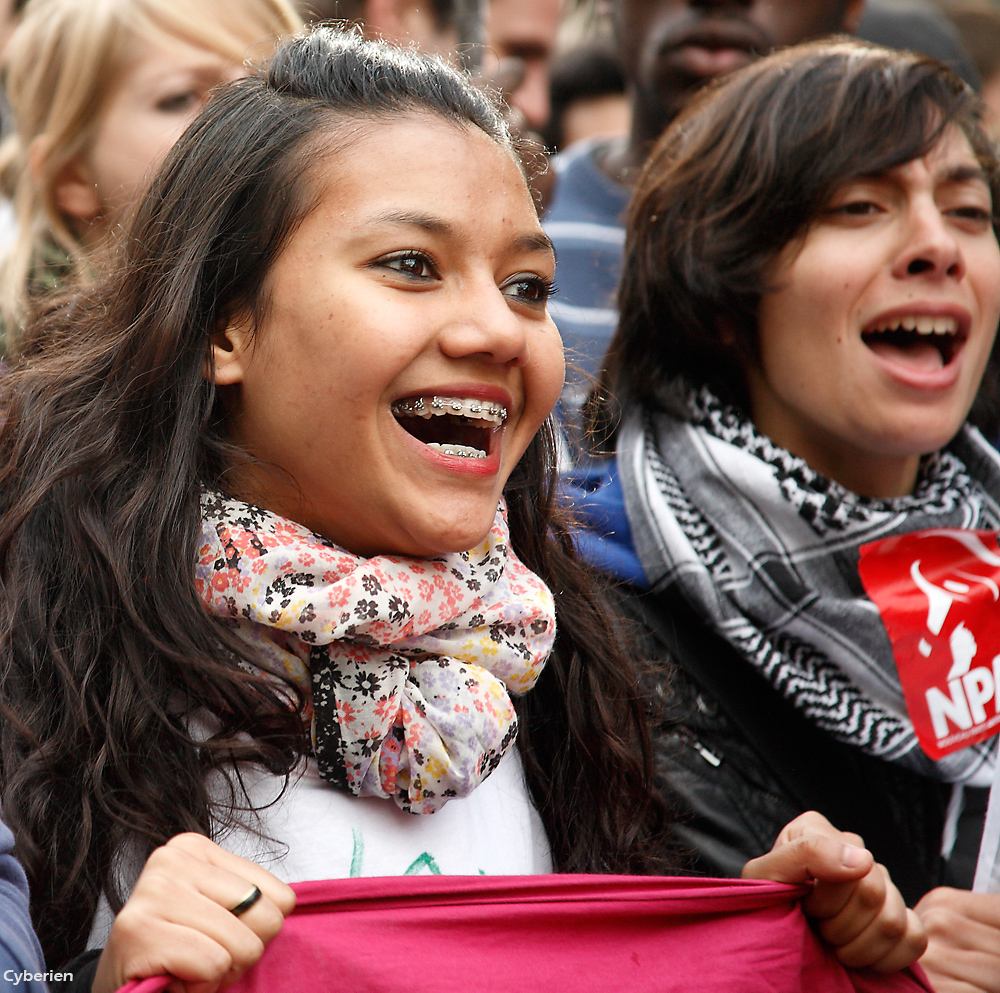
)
(320, 832)
(324, 833)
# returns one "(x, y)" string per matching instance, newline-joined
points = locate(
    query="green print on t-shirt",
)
(422, 863)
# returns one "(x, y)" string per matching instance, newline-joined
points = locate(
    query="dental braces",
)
(418, 407)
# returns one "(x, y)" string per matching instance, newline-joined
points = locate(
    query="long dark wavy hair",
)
(111, 432)
(741, 174)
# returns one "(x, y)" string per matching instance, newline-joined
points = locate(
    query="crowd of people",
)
(336, 540)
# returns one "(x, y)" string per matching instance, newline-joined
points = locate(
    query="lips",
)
(457, 426)
(919, 349)
(708, 48)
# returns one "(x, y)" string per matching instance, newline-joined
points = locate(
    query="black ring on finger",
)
(247, 902)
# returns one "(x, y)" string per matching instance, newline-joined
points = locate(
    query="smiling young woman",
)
(338, 240)
(431, 292)
(810, 299)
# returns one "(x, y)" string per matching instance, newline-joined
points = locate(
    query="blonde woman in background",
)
(100, 90)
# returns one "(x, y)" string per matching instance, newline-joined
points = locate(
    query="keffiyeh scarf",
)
(409, 663)
(767, 550)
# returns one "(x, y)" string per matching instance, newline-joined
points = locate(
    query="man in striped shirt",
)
(668, 48)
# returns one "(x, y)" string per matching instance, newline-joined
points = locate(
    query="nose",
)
(930, 248)
(484, 326)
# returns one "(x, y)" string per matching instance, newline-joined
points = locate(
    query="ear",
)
(74, 192)
(230, 352)
(852, 15)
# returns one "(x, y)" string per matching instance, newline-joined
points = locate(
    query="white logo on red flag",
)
(937, 592)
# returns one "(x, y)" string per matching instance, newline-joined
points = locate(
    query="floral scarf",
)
(409, 662)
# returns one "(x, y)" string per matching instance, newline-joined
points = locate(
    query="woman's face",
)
(406, 357)
(873, 345)
(157, 95)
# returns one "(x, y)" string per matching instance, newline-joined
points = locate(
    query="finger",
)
(201, 848)
(186, 891)
(908, 950)
(813, 822)
(875, 928)
(180, 986)
(890, 943)
(207, 986)
(164, 909)
(141, 945)
(962, 972)
(964, 939)
(809, 857)
(869, 897)
(192, 957)
(953, 912)
(242, 906)
(846, 909)
(196, 894)
(178, 918)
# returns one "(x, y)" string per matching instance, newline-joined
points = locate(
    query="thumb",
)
(835, 868)
(811, 857)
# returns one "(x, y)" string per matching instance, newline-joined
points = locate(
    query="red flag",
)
(938, 593)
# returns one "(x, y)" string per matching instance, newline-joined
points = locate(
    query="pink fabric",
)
(616, 934)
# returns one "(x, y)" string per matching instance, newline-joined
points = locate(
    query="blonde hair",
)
(60, 66)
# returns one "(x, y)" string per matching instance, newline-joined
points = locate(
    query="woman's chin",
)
(451, 537)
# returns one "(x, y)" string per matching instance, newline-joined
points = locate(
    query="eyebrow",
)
(962, 173)
(537, 241)
(413, 219)
(967, 173)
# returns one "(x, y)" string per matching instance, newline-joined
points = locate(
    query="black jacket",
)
(738, 762)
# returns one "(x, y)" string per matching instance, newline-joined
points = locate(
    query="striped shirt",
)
(585, 221)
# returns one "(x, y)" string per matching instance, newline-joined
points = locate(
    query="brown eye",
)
(413, 264)
(857, 208)
(529, 289)
(979, 215)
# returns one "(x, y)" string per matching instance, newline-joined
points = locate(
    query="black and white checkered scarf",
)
(767, 550)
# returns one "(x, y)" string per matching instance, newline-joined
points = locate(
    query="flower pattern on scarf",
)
(410, 663)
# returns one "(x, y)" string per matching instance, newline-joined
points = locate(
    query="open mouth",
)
(458, 426)
(923, 343)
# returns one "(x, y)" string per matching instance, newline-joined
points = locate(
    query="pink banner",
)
(522, 934)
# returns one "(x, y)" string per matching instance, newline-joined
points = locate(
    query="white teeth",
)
(923, 325)
(462, 451)
(434, 406)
